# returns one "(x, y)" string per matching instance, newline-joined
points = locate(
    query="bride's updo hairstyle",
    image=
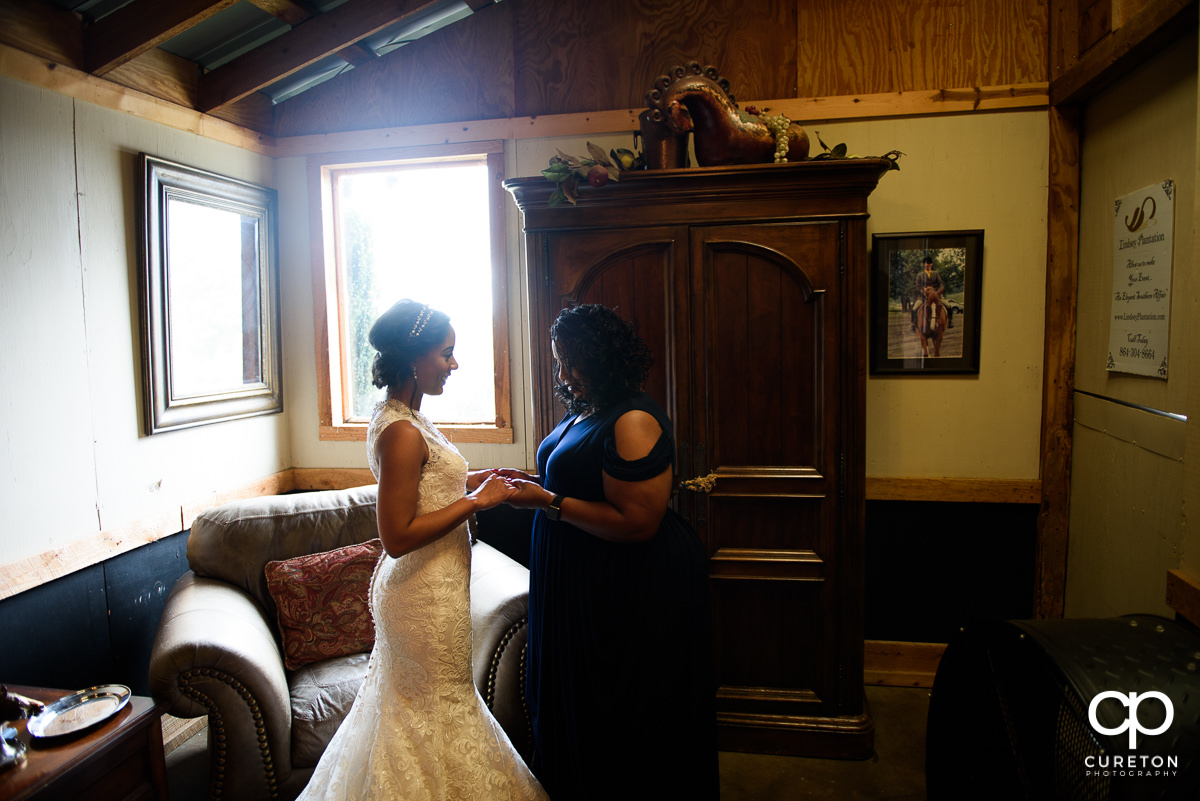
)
(403, 334)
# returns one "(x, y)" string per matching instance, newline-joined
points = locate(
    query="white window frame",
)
(328, 307)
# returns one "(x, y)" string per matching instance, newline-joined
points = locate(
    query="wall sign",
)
(1143, 241)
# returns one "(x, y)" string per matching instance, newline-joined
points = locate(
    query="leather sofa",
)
(218, 651)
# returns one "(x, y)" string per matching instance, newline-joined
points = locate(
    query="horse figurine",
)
(692, 99)
(931, 327)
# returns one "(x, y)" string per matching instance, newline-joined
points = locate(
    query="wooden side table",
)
(120, 759)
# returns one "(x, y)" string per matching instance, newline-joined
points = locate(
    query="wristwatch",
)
(554, 510)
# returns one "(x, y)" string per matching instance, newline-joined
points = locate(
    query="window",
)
(426, 224)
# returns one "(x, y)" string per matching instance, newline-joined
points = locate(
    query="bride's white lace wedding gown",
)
(419, 728)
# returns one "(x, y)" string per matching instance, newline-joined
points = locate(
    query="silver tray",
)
(78, 711)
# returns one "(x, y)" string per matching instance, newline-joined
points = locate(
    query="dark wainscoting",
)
(94, 626)
(933, 567)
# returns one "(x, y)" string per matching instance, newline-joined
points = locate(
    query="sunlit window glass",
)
(419, 231)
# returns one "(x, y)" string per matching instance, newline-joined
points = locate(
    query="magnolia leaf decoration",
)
(839, 151)
(566, 171)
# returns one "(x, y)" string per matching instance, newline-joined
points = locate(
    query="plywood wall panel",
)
(1127, 528)
(529, 58)
(579, 55)
(860, 46)
(137, 476)
(1063, 31)
(462, 72)
(1139, 132)
(1131, 470)
(48, 481)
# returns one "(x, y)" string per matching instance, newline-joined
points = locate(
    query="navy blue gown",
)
(620, 682)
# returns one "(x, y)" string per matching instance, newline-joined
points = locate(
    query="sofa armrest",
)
(215, 654)
(499, 608)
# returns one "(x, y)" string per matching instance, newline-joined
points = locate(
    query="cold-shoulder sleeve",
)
(661, 456)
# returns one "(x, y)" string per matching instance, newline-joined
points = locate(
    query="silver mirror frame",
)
(161, 182)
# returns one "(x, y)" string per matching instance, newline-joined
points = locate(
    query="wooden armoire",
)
(749, 285)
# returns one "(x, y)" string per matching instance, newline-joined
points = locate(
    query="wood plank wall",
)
(526, 58)
(530, 58)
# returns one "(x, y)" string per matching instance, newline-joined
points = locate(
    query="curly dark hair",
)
(605, 352)
(393, 336)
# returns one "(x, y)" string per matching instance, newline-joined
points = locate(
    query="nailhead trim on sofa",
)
(217, 726)
(489, 696)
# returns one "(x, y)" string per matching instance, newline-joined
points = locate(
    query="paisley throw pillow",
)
(322, 603)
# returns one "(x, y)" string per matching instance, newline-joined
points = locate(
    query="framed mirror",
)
(209, 298)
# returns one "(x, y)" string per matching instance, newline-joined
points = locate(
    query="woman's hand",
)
(529, 495)
(519, 475)
(493, 491)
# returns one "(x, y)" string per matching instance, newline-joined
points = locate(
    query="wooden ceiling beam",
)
(43, 29)
(131, 30)
(305, 44)
(293, 12)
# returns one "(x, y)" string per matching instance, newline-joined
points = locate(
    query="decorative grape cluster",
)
(781, 128)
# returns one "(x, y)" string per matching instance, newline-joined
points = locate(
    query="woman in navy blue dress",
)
(620, 682)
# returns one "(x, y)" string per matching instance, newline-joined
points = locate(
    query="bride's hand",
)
(493, 491)
(477, 477)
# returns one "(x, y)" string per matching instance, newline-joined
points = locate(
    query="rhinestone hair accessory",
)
(422, 319)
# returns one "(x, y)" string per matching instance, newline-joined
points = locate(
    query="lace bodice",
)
(444, 474)
(418, 728)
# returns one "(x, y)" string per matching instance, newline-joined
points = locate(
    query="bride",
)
(418, 728)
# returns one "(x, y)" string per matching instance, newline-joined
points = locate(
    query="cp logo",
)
(1131, 723)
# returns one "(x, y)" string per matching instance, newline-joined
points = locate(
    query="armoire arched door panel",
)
(765, 323)
(766, 302)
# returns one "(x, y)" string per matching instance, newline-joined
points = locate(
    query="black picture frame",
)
(209, 305)
(896, 285)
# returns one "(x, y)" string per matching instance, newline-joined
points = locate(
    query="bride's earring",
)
(415, 390)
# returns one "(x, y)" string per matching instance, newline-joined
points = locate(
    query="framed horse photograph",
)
(926, 291)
